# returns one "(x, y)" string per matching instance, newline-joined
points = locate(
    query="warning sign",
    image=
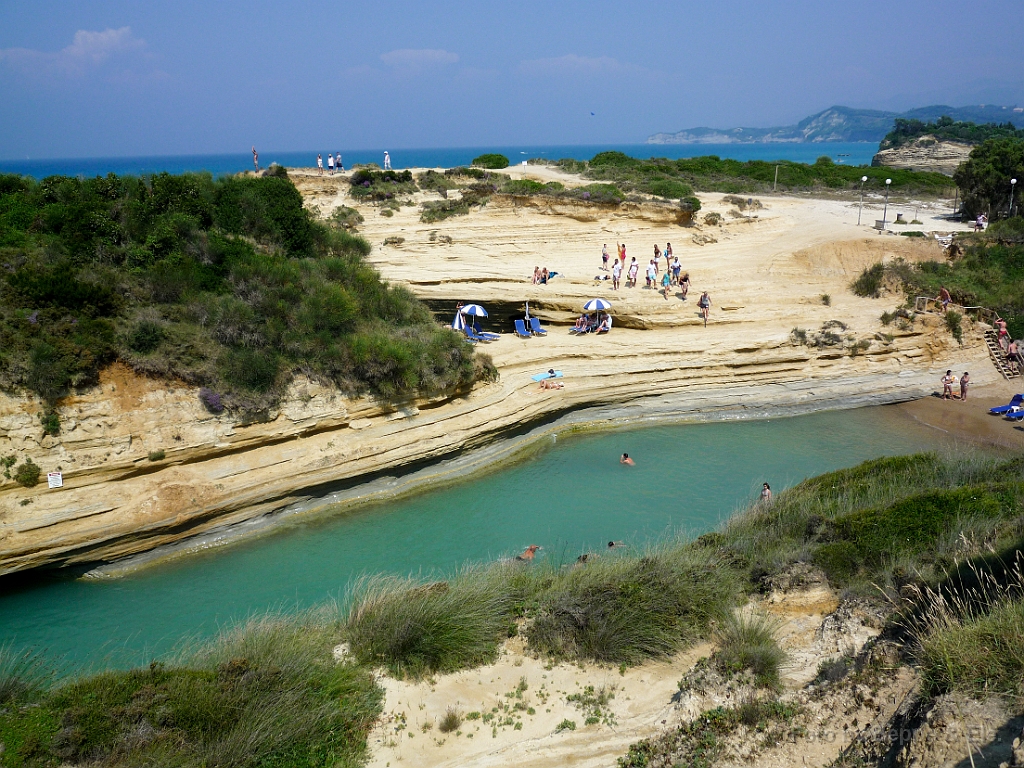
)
(55, 479)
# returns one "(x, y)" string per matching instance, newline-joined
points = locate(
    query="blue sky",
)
(112, 77)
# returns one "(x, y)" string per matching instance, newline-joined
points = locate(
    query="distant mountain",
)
(838, 124)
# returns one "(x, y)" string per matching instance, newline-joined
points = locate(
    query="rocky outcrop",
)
(925, 154)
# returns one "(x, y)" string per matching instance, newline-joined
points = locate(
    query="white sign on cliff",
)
(55, 479)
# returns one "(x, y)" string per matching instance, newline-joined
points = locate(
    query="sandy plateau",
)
(766, 273)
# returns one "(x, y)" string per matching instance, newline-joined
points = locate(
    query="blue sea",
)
(847, 153)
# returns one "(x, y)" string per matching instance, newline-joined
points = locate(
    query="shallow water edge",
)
(742, 402)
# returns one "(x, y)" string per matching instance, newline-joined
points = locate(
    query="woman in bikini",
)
(705, 305)
(684, 284)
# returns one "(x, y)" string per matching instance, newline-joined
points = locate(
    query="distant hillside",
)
(837, 124)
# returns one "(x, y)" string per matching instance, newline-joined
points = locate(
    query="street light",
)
(1013, 183)
(885, 211)
(862, 180)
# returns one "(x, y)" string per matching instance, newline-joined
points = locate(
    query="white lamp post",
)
(862, 180)
(885, 211)
(1013, 183)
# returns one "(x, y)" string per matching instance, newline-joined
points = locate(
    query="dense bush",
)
(947, 129)
(228, 284)
(984, 178)
(371, 185)
(491, 161)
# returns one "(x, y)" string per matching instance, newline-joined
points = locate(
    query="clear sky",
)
(119, 77)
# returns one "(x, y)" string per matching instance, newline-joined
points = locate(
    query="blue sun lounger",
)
(535, 327)
(1015, 415)
(521, 331)
(473, 336)
(1016, 402)
(486, 336)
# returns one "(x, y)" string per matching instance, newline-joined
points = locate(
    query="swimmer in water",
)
(626, 460)
(528, 553)
(615, 544)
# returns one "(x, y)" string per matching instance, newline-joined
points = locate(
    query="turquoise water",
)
(570, 496)
(858, 153)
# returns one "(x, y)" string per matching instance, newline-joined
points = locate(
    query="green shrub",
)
(50, 420)
(28, 474)
(347, 218)
(157, 455)
(953, 325)
(749, 642)
(691, 203)
(415, 630)
(451, 721)
(869, 284)
(826, 299)
(491, 161)
(839, 560)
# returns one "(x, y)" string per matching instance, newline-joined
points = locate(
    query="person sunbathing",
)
(551, 384)
(582, 326)
(606, 324)
(528, 553)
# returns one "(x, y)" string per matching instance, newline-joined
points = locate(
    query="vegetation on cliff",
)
(984, 178)
(677, 178)
(227, 283)
(984, 269)
(946, 128)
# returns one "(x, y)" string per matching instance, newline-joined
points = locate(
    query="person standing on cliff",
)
(320, 165)
(387, 161)
(330, 164)
(255, 158)
(616, 275)
(338, 164)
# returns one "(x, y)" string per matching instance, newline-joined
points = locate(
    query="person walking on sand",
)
(947, 385)
(604, 257)
(766, 494)
(657, 252)
(684, 285)
(1003, 333)
(704, 302)
(255, 158)
(652, 274)
(668, 254)
(624, 459)
(666, 283)
(634, 269)
(964, 381)
(387, 161)
(320, 165)
(330, 164)
(616, 275)
(676, 269)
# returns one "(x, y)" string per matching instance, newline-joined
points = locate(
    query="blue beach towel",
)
(546, 375)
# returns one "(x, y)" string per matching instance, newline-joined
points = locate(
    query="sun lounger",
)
(542, 376)
(484, 334)
(1016, 402)
(521, 331)
(535, 327)
(1015, 414)
(472, 335)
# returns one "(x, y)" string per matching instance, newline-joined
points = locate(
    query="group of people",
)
(332, 163)
(949, 381)
(673, 275)
(541, 276)
(599, 322)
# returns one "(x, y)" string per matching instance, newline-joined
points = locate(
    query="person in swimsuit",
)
(947, 385)
(626, 460)
(1003, 333)
(604, 257)
(616, 275)
(657, 252)
(668, 254)
(766, 494)
(544, 276)
(684, 285)
(615, 544)
(1013, 355)
(528, 553)
(943, 298)
(704, 302)
(964, 381)
(536, 275)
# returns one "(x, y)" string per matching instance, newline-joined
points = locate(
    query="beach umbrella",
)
(459, 323)
(527, 311)
(474, 309)
(598, 304)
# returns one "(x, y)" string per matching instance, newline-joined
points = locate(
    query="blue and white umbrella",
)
(598, 304)
(474, 309)
(459, 323)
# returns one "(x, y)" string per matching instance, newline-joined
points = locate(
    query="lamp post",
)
(1013, 183)
(885, 211)
(862, 180)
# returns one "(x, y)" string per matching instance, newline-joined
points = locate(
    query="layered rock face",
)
(925, 154)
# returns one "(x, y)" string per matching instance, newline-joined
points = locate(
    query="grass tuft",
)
(750, 642)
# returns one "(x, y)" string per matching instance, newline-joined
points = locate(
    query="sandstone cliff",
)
(925, 154)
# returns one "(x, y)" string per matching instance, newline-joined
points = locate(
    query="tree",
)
(984, 179)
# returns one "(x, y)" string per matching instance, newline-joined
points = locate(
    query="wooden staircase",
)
(995, 351)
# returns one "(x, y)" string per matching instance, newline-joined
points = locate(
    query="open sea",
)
(859, 153)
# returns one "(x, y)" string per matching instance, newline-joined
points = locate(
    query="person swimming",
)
(615, 544)
(528, 553)
(626, 460)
